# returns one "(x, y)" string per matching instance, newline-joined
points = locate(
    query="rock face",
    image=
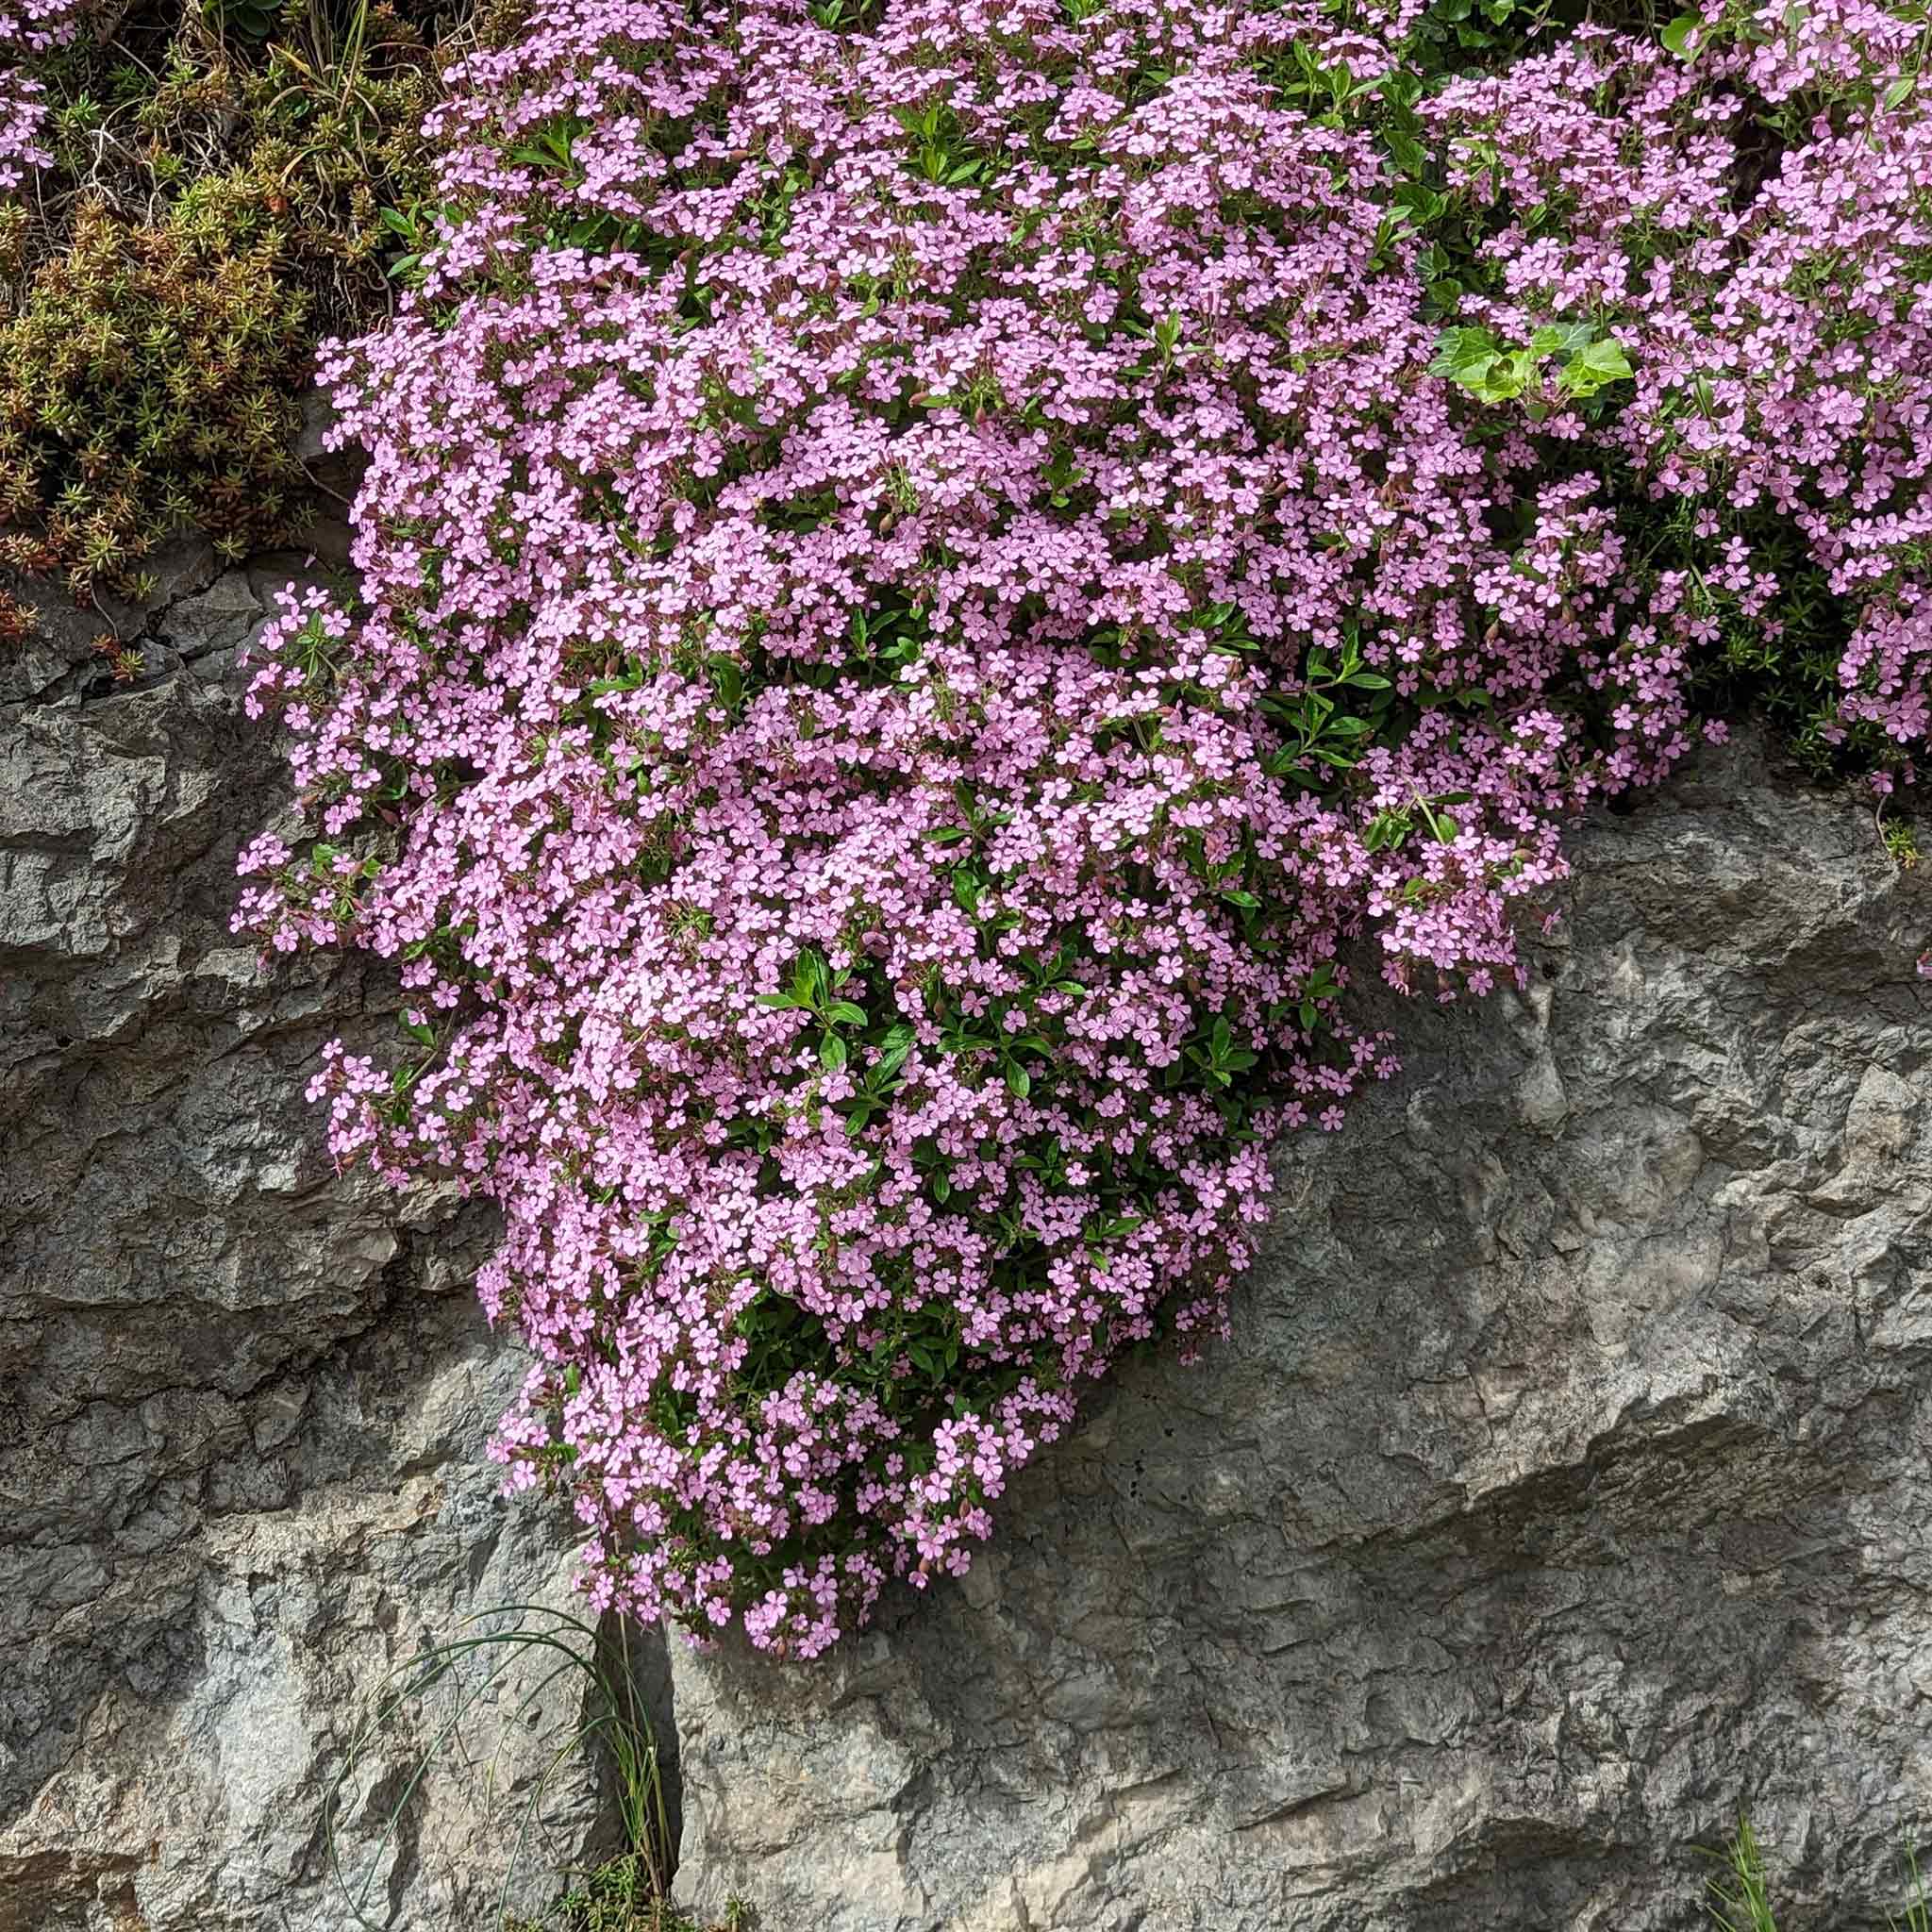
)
(242, 1405)
(1564, 1488)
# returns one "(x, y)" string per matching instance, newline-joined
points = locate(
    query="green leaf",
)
(831, 1053)
(845, 1013)
(1676, 36)
(1561, 338)
(1406, 151)
(727, 679)
(1596, 367)
(1465, 354)
(1019, 1082)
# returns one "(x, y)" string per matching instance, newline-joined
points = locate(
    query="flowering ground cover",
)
(940, 577)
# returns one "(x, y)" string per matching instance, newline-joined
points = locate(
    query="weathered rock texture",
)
(242, 1406)
(1564, 1486)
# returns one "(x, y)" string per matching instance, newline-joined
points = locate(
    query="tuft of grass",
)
(1918, 1916)
(619, 1896)
(628, 1892)
(1738, 1895)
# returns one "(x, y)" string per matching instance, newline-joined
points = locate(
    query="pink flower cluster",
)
(1781, 330)
(917, 592)
(28, 30)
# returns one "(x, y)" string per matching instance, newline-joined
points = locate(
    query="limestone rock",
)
(243, 1404)
(1564, 1488)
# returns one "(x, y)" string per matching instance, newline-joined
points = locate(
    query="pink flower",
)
(899, 679)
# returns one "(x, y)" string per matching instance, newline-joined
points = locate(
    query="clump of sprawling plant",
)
(199, 195)
(1746, 201)
(930, 571)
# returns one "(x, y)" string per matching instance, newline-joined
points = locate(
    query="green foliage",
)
(232, 181)
(437, 1694)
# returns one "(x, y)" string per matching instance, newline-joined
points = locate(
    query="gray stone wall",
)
(1564, 1488)
(243, 1405)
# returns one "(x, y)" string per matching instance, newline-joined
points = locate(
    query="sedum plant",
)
(200, 195)
(150, 380)
(935, 577)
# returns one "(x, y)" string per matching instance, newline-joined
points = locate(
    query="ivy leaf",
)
(1404, 150)
(1561, 338)
(1465, 356)
(1596, 367)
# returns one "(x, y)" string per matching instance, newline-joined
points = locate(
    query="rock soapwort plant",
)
(934, 571)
